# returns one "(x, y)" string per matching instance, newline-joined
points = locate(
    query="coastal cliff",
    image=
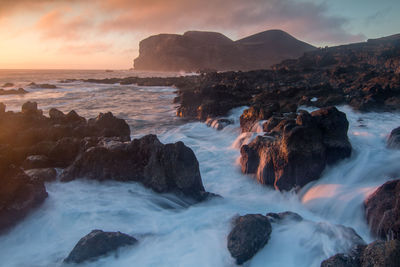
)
(196, 50)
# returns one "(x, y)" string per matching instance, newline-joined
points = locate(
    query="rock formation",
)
(195, 50)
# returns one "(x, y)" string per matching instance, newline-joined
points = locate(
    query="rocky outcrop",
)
(250, 233)
(295, 152)
(195, 50)
(53, 141)
(376, 254)
(98, 243)
(163, 168)
(42, 86)
(18, 196)
(394, 139)
(42, 175)
(19, 91)
(382, 210)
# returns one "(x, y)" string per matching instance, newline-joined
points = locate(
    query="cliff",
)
(195, 50)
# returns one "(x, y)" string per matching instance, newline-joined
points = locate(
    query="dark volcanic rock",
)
(60, 138)
(351, 259)
(394, 139)
(381, 253)
(376, 254)
(19, 91)
(287, 215)
(98, 243)
(195, 50)
(382, 209)
(36, 162)
(250, 233)
(42, 86)
(163, 168)
(109, 126)
(218, 124)
(294, 153)
(18, 196)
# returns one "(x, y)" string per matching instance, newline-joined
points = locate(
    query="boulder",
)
(18, 196)
(98, 243)
(31, 108)
(382, 210)
(250, 233)
(295, 153)
(163, 168)
(107, 125)
(281, 216)
(350, 259)
(394, 139)
(218, 124)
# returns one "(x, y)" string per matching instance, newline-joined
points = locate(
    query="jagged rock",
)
(250, 233)
(43, 175)
(294, 153)
(163, 168)
(382, 210)
(98, 243)
(18, 196)
(394, 139)
(108, 125)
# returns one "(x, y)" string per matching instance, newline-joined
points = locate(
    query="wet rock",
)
(281, 216)
(376, 254)
(19, 195)
(381, 253)
(250, 233)
(42, 86)
(98, 243)
(19, 91)
(298, 151)
(8, 85)
(350, 259)
(218, 124)
(255, 113)
(36, 162)
(382, 210)
(42, 175)
(394, 139)
(163, 168)
(2, 108)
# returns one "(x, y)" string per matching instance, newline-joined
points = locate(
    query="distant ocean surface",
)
(170, 233)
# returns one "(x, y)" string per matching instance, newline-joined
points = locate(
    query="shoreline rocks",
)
(295, 152)
(19, 195)
(382, 210)
(163, 168)
(377, 253)
(249, 234)
(394, 139)
(98, 243)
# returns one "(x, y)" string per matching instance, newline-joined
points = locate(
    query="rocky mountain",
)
(196, 50)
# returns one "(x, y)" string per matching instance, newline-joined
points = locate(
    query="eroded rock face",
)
(163, 168)
(250, 233)
(382, 209)
(18, 196)
(295, 152)
(394, 139)
(98, 243)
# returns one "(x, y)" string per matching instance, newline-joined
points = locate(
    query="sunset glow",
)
(105, 33)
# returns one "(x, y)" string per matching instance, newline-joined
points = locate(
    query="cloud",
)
(85, 49)
(306, 20)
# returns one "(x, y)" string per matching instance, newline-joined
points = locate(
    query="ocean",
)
(170, 232)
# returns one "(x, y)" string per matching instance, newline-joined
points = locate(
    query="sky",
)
(105, 34)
